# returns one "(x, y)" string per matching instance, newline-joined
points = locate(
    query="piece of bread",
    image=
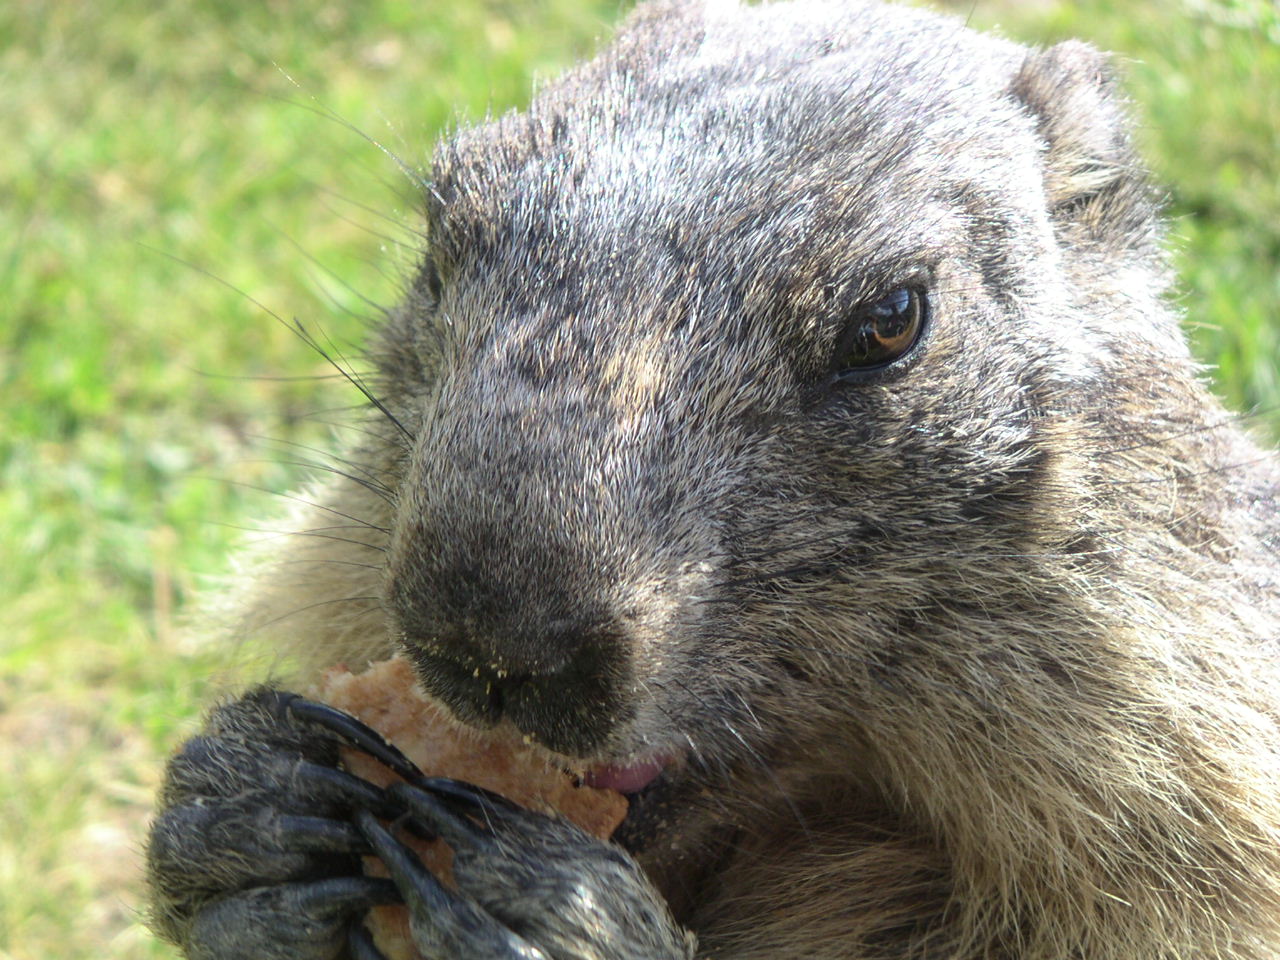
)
(386, 696)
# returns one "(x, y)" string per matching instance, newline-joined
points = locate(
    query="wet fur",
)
(977, 659)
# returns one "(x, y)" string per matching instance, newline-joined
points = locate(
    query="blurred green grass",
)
(179, 164)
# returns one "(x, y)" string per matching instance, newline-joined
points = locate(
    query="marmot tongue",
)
(628, 779)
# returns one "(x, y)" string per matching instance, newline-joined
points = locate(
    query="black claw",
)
(354, 732)
(360, 944)
(468, 793)
(341, 787)
(407, 871)
(301, 834)
(437, 914)
(339, 896)
(438, 816)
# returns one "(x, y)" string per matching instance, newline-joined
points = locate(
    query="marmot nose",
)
(567, 702)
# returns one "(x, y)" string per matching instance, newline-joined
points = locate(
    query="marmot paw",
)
(529, 886)
(254, 853)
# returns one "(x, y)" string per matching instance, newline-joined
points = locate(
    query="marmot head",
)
(727, 364)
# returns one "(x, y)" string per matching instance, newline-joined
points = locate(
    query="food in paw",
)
(386, 696)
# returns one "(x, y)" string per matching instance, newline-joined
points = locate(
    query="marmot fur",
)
(788, 400)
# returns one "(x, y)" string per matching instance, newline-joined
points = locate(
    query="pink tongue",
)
(630, 779)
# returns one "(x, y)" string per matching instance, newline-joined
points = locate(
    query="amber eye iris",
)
(881, 332)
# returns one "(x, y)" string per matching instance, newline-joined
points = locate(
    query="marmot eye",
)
(881, 332)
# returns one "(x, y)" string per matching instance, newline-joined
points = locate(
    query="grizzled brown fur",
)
(974, 657)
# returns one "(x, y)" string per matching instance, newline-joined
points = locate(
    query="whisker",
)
(317, 532)
(310, 503)
(346, 424)
(340, 563)
(320, 110)
(368, 472)
(336, 278)
(299, 330)
(417, 235)
(354, 379)
(311, 606)
(256, 377)
(372, 486)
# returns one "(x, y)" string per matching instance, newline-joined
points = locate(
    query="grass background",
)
(171, 167)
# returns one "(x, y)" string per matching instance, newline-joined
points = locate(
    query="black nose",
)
(565, 697)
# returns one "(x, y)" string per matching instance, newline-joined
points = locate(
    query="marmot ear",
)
(1095, 185)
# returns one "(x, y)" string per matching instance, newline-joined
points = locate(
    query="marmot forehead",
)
(730, 125)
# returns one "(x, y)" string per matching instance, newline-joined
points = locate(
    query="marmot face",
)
(736, 383)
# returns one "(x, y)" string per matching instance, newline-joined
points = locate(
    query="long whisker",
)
(316, 532)
(311, 606)
(300, 331)
(370, 474)
(311, 503)
(373, 487)
(354, 379)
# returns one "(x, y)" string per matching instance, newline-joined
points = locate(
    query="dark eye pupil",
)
(882, 331)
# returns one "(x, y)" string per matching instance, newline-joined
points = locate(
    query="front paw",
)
(528, 886)
(253, 853)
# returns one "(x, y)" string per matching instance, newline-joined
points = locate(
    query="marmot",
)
(787, 424)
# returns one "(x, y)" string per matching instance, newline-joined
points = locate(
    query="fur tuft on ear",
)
(1096, 187)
